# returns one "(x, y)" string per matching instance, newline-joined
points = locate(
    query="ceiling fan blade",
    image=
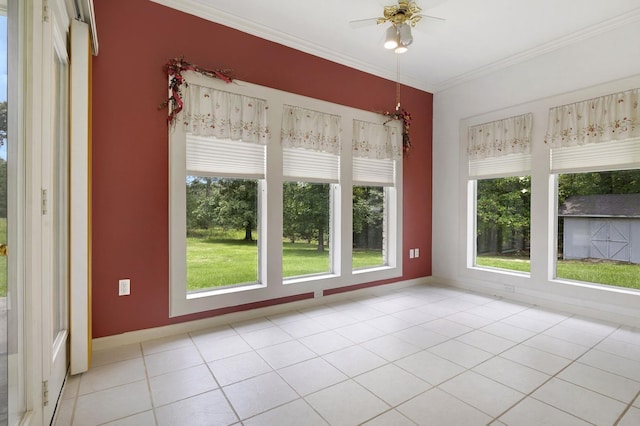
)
(361, 23)
(430, 17)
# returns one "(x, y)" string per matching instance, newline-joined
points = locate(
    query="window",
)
(306, 229)
(499, 166)
(254, 220)
(311, 143)
(224, 156)
(215, 196)
(222, 221)
(369, 224)
(595, 161)
(503, 210)
(375, 155)
(599, 227)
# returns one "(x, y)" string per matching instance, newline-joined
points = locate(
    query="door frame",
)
(34, 24)
(37, 24)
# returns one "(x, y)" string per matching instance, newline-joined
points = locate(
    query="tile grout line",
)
(626, 410)
(146, 374)
(387, 362)
(494, 356)
(224, 394)
(348, 378)
(554, 376)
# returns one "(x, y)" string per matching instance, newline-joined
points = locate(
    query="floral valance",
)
(308, 129)
(376, 141)
(224, 115)
(502, 137)
(607, 118)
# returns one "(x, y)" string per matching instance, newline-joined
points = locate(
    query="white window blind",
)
(299, 164)
(376, 148)
(306, 165)
(509, 165)
(500, 148)
(310, 145)
(208, 156)
(372, 172)
(613, 155)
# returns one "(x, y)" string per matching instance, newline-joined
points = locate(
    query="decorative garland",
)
(402, 115)
(174, 69)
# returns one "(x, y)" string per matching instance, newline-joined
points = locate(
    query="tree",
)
(368, 216)
(3, 122)
(504, 207)
(3, 162)
(198, 200)
(609, 182)
(228, 203)
(235, 205)
(306, 212)
(3, 188)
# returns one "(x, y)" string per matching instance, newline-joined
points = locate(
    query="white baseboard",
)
(572, 305)
(201, 324)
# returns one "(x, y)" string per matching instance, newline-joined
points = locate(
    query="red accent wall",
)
(130, 145)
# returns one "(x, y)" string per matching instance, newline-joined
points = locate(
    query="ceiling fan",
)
(402, 16)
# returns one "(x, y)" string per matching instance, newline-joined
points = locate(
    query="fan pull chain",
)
(397, 83)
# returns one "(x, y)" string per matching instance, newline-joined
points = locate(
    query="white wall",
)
(603, 64)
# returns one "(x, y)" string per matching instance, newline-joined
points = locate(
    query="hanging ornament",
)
(401, 114)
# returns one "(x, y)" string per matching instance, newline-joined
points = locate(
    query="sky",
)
(3, 58)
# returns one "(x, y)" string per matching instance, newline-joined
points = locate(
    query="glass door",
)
(4, 323)
(55, 217)
(12, 215)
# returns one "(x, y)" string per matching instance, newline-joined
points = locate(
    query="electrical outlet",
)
(124, 287)
(412, 253)
(317, 293)
(417, 252)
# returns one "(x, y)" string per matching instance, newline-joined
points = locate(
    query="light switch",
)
(124, 287)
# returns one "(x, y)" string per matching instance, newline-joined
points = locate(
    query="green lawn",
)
(216, 258)
(602, 272)
(303, 258)
(214, 263)
(520, 264)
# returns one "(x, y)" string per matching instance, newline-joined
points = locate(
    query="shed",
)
(603, 226)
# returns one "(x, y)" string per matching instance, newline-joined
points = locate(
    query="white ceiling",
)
(478, 36)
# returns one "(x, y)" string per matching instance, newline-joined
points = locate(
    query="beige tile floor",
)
(422, 355)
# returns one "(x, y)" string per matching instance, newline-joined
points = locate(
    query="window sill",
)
(500, 271)
(596, 286)
(225, 290)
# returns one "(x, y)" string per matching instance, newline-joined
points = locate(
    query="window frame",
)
(626, 156)
(386, 204)
(334, 192)
(270, 205)
(540, 286)
(473, 220)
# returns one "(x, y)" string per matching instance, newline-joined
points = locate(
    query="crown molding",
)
(212, 14)
(201, 10)
(592, 31)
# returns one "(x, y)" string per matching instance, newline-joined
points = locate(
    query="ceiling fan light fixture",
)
(404, 34)
(391, 40)
(401, 49)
